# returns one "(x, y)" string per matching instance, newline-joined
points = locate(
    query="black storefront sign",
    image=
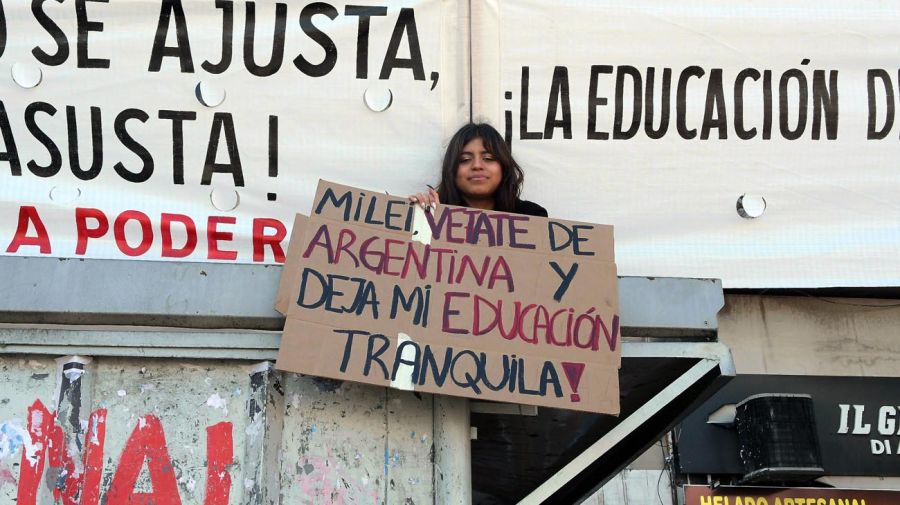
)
(857, 421)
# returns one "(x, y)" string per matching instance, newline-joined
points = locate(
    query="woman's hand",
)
(427, 200)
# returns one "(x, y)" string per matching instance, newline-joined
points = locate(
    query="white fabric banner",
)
(657, 116)
(194, 130)
(130, 130)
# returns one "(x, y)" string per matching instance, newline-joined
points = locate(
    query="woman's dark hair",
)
(511, 182)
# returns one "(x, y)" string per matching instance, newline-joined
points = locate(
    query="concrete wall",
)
(647, 480)
(211, 432)
(812, 336)
(634, 487)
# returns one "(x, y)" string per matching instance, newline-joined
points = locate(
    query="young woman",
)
(479, 171)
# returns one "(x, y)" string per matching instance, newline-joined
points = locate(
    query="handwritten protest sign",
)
(456, 301)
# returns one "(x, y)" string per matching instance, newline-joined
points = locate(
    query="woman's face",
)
(478, 174)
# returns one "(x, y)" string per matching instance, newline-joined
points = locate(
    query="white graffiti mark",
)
(217, 402)
(13, 436)
(73, 374)
(95, 421)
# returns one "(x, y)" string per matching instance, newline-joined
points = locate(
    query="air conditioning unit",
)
(778, 438)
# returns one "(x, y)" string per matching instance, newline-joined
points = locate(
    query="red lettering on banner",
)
(29, 214)
(190, 230)
(92, 223)
(146, 443)
(260, 239)
(84, 231)
(219, 455)
(214, 236)
(146, 232)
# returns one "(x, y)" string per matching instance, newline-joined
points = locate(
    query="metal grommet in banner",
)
(209, 93)
(750, 206)
(224, 199)
(64, 194)
(26, 75)
(378, 98)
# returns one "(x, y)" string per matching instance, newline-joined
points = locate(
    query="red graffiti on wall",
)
(80, 477)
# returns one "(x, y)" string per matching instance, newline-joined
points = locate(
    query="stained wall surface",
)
(799, 335)
(170, 431)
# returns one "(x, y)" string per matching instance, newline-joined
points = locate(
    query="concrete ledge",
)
(216, 296)
(141, 342)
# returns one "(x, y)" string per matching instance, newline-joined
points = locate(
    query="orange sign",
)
(702, 495)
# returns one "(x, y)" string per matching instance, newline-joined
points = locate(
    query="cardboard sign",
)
(457, 301)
